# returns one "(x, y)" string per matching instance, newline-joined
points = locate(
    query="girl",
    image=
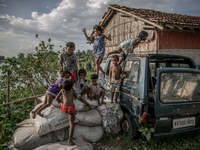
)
(99, 46)
(51, 93)
(129, 45)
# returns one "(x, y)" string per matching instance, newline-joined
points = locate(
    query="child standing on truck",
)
(51, 93)
(95, 89)
(128, 46)
(81, 87)
(67, 105)
(99, 46)
(69, 61)
(114, 75)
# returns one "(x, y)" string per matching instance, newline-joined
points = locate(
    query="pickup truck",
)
(160, 91)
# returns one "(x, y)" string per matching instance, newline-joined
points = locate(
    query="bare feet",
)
(33, 114)
(111, 101)
(90, 107)
(41, 115)
(103, 102)
(99, 104)
(116, 102)
(71, 142)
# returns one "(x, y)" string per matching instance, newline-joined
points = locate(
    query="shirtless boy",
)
(114, 75)
(67, 105)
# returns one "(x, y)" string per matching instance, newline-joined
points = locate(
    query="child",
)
(81, 87)
(115, 80)
(99, 46)
(68, 106)
(129, 45)
(51, 93)
(69, 61)
(95, 89)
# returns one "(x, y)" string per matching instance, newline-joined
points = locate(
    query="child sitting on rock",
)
(95, 89)
(51, 93)
(81, 87)
(68, 106)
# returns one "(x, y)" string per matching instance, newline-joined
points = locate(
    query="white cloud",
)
(65, 22)
(3, 5)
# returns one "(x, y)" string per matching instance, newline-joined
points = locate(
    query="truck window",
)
(179, 87)
(132, 70)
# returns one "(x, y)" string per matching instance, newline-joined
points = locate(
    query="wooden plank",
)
(21, 100)
(134, 16)
(8, 87)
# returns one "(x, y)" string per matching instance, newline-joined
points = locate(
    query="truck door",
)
(177, 105)
(132, 87)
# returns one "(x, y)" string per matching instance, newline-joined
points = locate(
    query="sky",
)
(63, 20)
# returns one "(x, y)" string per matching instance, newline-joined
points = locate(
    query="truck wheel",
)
(127, 126)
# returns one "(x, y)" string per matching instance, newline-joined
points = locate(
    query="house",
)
(174, 33)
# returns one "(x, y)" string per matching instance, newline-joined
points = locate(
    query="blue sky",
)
(63, 20)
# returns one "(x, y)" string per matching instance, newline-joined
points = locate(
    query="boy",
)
(114, 75)
(81, 87)
(51, 93)
(67, 105)
(69, 61)
(95, 89)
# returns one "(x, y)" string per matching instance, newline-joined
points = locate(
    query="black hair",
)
(115, 56)
(142, 35)
(94, 76)
(70, 44)
(64, 73)
(98, 28)
(82, 71)
(67, 84)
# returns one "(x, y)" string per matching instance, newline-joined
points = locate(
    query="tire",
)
(127, 126)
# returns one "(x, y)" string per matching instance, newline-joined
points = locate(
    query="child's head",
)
(70, 47)
(65, 75)
(67, 84)
(143, 35)
(82, 73)
(94, 78)
(115, 59)
(97, 29)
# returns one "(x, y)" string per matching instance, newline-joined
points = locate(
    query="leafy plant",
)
(146, 132)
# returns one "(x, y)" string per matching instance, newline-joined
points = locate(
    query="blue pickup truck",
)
(160, 91)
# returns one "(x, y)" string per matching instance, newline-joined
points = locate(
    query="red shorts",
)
(73, 76)
(68, 109)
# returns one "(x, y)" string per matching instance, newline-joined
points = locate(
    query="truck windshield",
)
(179, 87)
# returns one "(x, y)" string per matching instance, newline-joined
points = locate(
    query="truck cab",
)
(166, 87)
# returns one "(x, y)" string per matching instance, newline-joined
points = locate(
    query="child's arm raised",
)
(58, 96)
(87, 37)
(107, 37)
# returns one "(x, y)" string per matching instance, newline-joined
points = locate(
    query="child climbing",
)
(128, 46)
(99, 46)
(67, 105)
(51, 93)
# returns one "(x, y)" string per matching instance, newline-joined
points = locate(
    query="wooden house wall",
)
(123, 28)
